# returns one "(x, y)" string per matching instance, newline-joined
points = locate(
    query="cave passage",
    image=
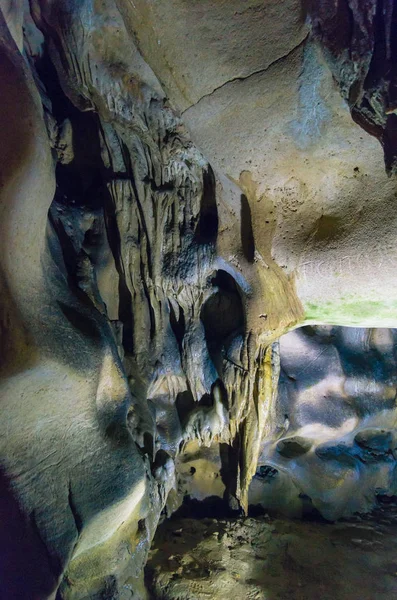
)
(198, 299)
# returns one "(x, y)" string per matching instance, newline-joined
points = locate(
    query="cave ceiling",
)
(181, 184)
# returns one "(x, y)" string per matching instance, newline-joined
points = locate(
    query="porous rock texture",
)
(267, 559)
(181, 184)
(334, 441)
(330, 447)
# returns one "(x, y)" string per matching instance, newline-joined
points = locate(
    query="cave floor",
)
(267, 559)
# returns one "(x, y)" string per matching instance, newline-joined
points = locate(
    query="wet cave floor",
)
(265, 558)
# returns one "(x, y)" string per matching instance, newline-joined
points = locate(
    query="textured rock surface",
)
(118, 296)
(143, 287)
(334, 442)
(330, 445)
(360, 45)
(322, 207)
(263, 558)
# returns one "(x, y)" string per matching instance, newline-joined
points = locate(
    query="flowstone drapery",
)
(161, 227)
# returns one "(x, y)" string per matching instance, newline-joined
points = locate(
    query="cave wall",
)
(330, 447)
(333, 447)
(162, 224)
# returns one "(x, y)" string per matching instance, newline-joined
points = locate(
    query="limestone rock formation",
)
(359, 42)
(274, 558)
(334, 442)
(181, 184)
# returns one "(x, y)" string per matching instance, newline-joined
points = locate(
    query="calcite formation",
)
(333, 447)
(181, 185)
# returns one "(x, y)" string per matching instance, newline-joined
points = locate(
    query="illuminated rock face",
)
(334, 441)
(143, 286)
(264, 557)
